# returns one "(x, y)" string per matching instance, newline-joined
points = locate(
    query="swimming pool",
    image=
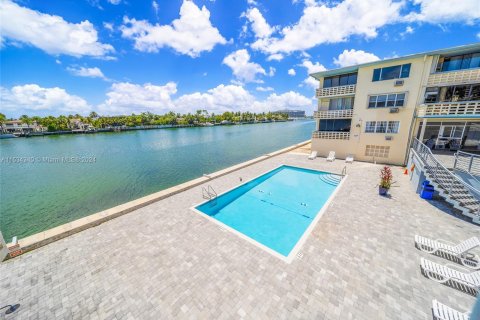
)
(276, 210)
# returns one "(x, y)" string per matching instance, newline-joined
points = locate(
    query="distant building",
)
(18, 127)
(78, 125)
(292, 113)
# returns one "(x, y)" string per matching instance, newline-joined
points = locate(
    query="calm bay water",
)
(37, 195)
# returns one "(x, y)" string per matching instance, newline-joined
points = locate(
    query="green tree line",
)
(146, 118)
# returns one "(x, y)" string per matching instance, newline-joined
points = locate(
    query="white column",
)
(422, 132)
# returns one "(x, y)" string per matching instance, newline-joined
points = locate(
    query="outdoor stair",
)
(332, 179)
(454, 190)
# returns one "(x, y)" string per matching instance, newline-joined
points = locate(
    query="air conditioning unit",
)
(388, 138)
(394, 110)
(398, 83)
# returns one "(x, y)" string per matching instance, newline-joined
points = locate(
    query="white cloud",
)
(191, 34)
(258, 23)
(408, 30)
(478, 35)
(276, 57)
(271, 71)
(125, 98)
(155, 7)
(236, 98)
(49, 33)
(323, 24)
(243, 69)
(108, 26)
(353, 57)
(312, 67)
(291, 72)
(33, 99)
(264, 89)
(287, 100)
(445, 11)
(114, 2)
(94, 72)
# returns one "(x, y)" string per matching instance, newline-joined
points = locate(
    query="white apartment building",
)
(374, 110)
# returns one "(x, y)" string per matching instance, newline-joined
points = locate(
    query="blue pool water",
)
(276, 208)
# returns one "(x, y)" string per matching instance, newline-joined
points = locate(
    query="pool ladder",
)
(209, 193)
(344, 172)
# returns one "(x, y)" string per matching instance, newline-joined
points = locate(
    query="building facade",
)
(374, 110)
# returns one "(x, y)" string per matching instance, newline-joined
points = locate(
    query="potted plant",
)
(386, 182)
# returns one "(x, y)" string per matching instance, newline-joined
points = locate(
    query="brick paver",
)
(166, 261)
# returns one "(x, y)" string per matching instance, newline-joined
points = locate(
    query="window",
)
(393, 126)
(387, 100)
(342, 125)
(382, 126)
(377, 151)
(452, 93)
(393, 72)
(370, 127)
(459, 62)
(341, 80)
(340, 103)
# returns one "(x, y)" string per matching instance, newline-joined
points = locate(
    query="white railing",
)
(463, 108)
(331, 135)
(467, 162)
(454, 77)
(333, 114)
(443, 177)
(336, 91)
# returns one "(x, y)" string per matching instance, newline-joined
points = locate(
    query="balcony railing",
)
(331, 135)
(333, 114)
(455, 109)
(336, 91)
(454, 77)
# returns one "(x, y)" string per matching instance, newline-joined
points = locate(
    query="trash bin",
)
(427, 190)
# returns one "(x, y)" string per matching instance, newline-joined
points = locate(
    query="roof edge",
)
(349, 69)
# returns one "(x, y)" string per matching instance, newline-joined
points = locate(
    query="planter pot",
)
(382, 191)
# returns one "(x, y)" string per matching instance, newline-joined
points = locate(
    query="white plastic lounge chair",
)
(460, 251)
(443, 312)
(349, 159)
(331, 156)
(443, 274)
(312, 155)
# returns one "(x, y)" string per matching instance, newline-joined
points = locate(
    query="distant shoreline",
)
(125, 128)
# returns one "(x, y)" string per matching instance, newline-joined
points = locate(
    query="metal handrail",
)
(461, 157)
(437, 168)
(344, 172)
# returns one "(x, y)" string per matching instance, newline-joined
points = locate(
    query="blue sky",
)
(124, 56)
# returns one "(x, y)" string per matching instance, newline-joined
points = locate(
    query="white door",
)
(3, 248)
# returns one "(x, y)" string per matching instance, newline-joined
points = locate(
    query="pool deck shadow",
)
(164, 261)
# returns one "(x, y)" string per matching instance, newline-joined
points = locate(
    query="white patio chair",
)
(313, 155)
(443, 274)
(349, 158)
(331, 156)
(443, 312)
(460, 250)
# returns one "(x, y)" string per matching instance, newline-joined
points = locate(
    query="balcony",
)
(333, 114)
(331, 135)
(465, 76)
(464, 109)
(336, 91)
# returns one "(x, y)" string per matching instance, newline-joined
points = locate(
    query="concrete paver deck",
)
(165, 261)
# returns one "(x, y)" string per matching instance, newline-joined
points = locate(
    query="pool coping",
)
(296, 249)
(48, 236)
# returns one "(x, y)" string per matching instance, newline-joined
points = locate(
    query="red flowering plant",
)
(386, 178)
